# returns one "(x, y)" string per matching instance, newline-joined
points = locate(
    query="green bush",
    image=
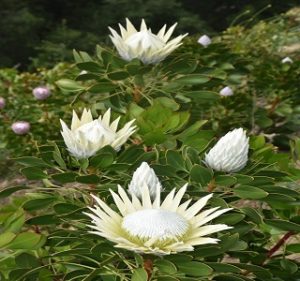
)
(179, 116)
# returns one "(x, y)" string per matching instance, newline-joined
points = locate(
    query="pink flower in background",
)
(2, 103)
(20, 127)
(41, 92)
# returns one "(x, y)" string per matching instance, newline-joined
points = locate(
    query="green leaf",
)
(200, 175)
(294, 248)
(194, 268)
(228, 277)
(118, 75)
(36, 204)
(6, 238)
(223, 267)
(43, 220)
(31, 161)
(175, 160)
(25, 240)
(225, 180)
(203, 96)
(34, 173)
(90, 66)
(25, 260)
(90, 179)
(192, 79)
(259, 271)
(139, 274)
(10, 190)
(253, 214)
(15, 222)
(289, 266)
(284, 225)
(165, 266)
(230, 219)
(69, 85)
(63, 208)
(102, 87)
(249, 192)
(64, 177)
(104, 158)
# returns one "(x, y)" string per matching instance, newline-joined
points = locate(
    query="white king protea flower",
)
(204, 40)
(144, 175)
(87, 136)
(148, 47)
(230, 154)
(149, 226)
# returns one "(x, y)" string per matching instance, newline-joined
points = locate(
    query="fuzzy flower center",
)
(155, 223)
(93, 131)
(146, 39)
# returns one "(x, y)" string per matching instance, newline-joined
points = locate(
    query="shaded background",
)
(42, 32)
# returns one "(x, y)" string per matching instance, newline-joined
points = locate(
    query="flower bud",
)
(144, 175)
(226, 92)
(230, 154)
(20, 127)
(41, 92)
(204, 40)
(287, 60)
(2, 103)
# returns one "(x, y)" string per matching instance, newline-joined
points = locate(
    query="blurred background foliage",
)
(41, 32)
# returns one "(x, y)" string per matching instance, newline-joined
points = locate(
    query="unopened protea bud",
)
(41, 93)
(20, 127)
(204, 40)
(226, 92)
(2, 103)
(230, 154)
(287, 60)
(144, 176)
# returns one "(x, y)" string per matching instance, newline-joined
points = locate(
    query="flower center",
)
(152, 223)
(146, 39)
(93, 131)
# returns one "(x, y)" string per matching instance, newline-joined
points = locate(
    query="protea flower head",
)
(204, 40)
(230, 154)
(20, 127)
(41, 92)
(226, 92)
(287, 60)
(87, 136)
(155, 227)
(2, 103)
(144, 175)
(148, 47)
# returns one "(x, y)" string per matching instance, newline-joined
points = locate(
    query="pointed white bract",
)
(204, 40)
(230, 154)
(87, 136)
(153, 227)
(287, 60)
(226, 92)
(148, 47)
(144, 175)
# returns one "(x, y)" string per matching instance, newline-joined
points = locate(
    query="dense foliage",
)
(179, 114)
(42, 32)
